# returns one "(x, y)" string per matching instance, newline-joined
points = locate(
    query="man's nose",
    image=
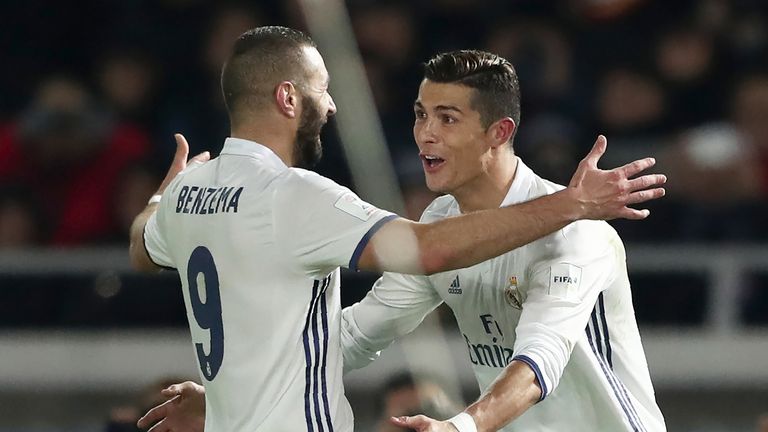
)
(331, 106)
(425, 132)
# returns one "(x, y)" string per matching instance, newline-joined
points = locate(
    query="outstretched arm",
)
(404, 246)
(139, 258)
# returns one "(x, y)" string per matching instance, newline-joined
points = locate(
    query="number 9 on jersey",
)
(208, 314)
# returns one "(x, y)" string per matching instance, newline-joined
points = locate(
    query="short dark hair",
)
(497, 91)
(261, 58)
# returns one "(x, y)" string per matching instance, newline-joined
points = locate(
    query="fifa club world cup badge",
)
(512, 295)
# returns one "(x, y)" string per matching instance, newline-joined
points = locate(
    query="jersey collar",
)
(521, 184)
(243, 147)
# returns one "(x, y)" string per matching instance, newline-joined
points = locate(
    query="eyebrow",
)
(419, 105)
(448, 108)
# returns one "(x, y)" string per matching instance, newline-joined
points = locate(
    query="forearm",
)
(138, 254)
(511, 394)
(356, 348)
(395, 306)
(466, 240)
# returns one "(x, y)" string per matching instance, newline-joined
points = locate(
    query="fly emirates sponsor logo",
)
(491, 355)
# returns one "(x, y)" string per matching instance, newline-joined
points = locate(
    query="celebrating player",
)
(258, 243)
(549, 327)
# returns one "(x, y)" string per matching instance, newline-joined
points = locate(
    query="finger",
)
(634, 214)
(201, 158)
(408, 421)
(598, 149)
(189, 386)
(399, 421)
(172, 390)
(160, 427)
(157, 413)
(647, 181)
(645, 195)
(182, 149)
(403, 421)
(635, 167)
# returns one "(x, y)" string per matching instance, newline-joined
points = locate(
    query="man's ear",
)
(287, 99)
(502, 131)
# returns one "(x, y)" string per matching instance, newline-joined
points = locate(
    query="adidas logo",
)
(455, 287)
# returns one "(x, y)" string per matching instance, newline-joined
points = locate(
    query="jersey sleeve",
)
(395, 306)
(155, 242)
(321, 225)
(564, 284)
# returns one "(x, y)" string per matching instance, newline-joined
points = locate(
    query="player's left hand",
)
(422, 423)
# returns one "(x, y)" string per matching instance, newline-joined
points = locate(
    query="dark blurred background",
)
(92, 91)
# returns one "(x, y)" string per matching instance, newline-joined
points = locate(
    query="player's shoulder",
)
(581, 236)
(440, 208)
(306, 178)
(296, 185)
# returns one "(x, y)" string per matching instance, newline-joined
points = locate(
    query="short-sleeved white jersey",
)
(561, 304)
(258, 247)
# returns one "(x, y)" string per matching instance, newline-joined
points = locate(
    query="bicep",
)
(320, 225)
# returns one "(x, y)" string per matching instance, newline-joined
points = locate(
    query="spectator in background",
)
(387, 36)
(21, 222)
(762, 423)
(630, 104)
(748, 111)
(405, 395)
(69, 154)
(722, 170)
(128, 84)
(687, 62)
(197, 107)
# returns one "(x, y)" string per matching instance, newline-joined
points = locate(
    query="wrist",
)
(573, 207)
(463, 422)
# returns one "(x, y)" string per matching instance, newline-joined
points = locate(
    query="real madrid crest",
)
(512, 295)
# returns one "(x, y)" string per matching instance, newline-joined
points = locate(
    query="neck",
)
(487, 191)
(271, 133)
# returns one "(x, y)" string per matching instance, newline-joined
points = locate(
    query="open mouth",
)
(431, 161)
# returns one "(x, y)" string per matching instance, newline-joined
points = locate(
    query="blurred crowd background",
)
(92, 91)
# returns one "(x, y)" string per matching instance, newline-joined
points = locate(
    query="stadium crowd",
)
(90, 100)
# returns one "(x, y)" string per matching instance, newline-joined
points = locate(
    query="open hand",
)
(608, 194)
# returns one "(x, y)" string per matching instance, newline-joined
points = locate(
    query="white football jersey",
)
(258, 247)
(561, 304)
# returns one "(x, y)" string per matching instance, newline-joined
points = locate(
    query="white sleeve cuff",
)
(463, 422)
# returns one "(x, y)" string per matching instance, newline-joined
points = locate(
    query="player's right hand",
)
(608, 194)
(183, 412)
(422, 423)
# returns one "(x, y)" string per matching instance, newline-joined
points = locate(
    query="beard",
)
(307, 149)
